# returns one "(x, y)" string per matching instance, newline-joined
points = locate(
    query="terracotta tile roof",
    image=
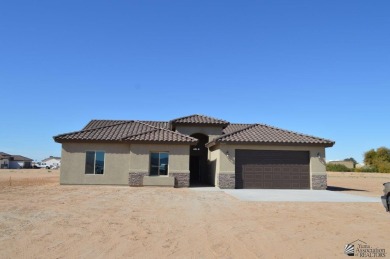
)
(161, 135)
(159, 131)
(102, 123)
(158, 124)
(119, 131)
(234, 127)
(265, 134)
(199, 119)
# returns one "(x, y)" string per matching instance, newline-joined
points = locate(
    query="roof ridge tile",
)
(199, 119)
(136, 134)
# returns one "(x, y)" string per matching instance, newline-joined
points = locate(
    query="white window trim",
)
(94, 164)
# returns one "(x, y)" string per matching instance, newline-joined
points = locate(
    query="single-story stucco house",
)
(192, 150)
(14, 161)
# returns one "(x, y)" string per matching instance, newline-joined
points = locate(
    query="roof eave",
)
(210, 144)
(213, 143)
(85, 141)
(159, 142)
(125, 141)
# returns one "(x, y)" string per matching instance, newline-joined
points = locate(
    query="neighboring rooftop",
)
(4, 155)
(51, 157)
(14, 157)
(20, 158)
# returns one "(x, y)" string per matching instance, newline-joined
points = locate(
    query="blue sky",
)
(317, 67)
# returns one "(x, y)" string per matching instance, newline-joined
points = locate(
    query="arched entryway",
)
(198, 160)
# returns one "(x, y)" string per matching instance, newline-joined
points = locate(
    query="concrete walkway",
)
(297, 196)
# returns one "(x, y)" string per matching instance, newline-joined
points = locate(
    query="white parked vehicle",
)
(53, 162)
(41, 165)
(54, 167)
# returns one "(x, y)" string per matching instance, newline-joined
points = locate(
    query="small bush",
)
(337, 168)
(367, 169)
(384, 167)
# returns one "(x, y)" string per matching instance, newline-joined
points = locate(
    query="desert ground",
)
(41, 219)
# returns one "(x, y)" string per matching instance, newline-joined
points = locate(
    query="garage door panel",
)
(295, 185)
(272, 169)
(277, 169)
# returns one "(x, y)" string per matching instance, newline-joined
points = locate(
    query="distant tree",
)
(369, 157)
(379, 159)
(383, 154)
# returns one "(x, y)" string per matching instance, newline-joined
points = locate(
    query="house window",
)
(94, 162)
(159, 163)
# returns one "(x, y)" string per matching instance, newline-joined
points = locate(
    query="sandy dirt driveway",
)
(41, 219)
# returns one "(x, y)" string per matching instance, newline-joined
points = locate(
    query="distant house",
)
(52, 161)
(4, 160)
(14, 161)
(192, 150)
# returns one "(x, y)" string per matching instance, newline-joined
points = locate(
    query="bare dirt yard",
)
(41, 219)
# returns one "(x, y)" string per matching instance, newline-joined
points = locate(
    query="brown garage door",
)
(272, 169)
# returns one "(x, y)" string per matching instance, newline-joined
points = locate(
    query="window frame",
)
(94, 164)
(150, 163)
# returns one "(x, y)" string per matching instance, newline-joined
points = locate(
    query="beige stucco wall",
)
(178, 157)
(227, 162)
(120, 160)
(214, 166)
(116, 164)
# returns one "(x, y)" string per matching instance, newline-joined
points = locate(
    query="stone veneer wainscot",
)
(319, 182)
(226, 181)
(181, 179)
(136, 178)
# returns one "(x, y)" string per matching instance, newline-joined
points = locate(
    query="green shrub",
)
(384, 167)
(367, 169)
(337, 168)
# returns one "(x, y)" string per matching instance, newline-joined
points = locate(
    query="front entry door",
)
(198, 160)
(194, 169)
